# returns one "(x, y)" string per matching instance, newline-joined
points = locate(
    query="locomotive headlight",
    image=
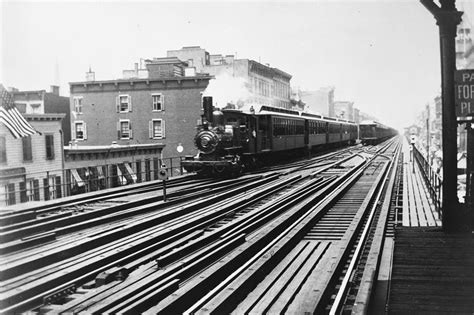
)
(206, 141)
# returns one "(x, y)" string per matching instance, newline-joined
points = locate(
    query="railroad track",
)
(131, 265)
(24, 213)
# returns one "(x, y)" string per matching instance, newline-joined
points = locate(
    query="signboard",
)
(464, 92)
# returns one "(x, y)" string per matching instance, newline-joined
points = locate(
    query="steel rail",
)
(338, 186)
(352, 265)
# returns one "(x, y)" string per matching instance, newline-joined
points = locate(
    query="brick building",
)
(31, 168)
(156, 105)
(42, 102)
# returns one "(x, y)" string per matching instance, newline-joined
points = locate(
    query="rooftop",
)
(132, 80)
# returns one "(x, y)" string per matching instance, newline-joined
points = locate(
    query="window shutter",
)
(118, 130)
(162, 102)
(73, 131)
(129, 103)
(130, 130)
(117, 103)
(36, 192)
(163, 129)
(85, 131)
(46, 188)
(23, 197)
(58, 187)
(150, 129)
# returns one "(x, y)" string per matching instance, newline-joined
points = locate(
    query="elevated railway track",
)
(239, 245)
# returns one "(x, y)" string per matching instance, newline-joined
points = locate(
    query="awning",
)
(77, 178)
(121, 178)
(130, 171)
(100, 173)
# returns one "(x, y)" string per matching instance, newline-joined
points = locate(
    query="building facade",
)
(91, 168)
(42, 102)
(195, 56)
(264, 85)
(160, 109)
(31, 168)
(319, 101)
(344, 110)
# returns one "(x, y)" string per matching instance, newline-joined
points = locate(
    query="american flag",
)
(12, 119)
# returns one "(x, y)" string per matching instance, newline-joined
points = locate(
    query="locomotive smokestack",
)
(207, 106)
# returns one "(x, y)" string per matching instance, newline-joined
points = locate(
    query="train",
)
(373, 132)
(230, 140)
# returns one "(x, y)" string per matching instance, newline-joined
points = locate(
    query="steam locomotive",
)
(231, 140)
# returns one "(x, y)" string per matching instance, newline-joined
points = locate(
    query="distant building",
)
(31, 168)
(42, 102)
(264, 84)
(319, 101)
(296, 102)
(357, 115)
(464, 60)
(344, 110)
(163, 108)
(436, 128)
(463, 45)
(364, 116)
(195, 56)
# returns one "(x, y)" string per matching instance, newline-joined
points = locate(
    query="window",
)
(49, 188)
(49, 147)
(35, 108)
(124, 129)
(11, 200)
(58, 187)
(157, 102)
(124, 103)
(3, 150)
(46, 188)
(80, 130)
(156, 129)
(33, 192)
(21, 107)
(27, 149)
(78, 104)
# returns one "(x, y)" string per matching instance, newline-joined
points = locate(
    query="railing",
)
(58, 183)
(432, 178)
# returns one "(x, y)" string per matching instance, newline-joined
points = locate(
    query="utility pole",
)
(447, 18)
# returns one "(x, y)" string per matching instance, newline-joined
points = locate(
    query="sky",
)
(383, 55)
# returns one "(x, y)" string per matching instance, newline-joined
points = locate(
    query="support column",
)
(447, 18)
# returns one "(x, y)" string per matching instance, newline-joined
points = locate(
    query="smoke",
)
(227, 89)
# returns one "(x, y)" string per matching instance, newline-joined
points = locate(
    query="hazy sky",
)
(383, 55)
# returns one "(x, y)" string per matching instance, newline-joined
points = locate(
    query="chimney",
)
(54, 89)
(90, 76)
(136, 68)
(207, 107)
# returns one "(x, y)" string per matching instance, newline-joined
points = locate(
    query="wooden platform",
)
(432, 272)
(418, 208)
